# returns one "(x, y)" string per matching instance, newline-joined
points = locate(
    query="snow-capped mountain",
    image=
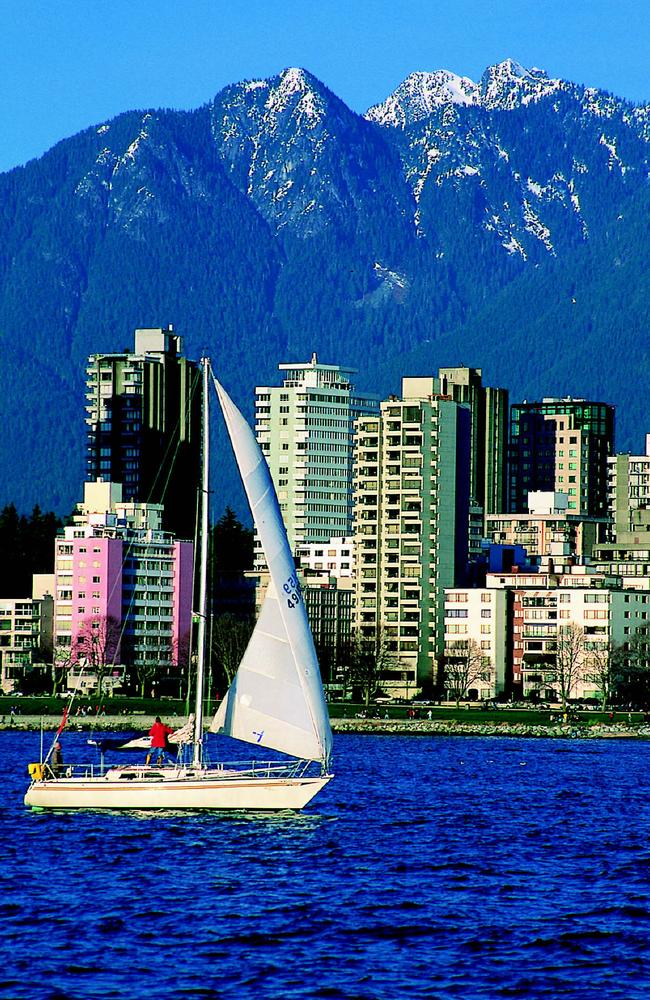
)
(455, 220)
(524, 149)
(281, 140)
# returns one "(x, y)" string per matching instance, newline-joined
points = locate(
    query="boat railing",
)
(262, 769)
(44, 771)
(222, 769)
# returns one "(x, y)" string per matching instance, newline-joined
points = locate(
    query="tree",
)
(634, 684)
(569, 658)
(62, 660)
(26, 547)
(232, 544)
(604, 666)
(370, 658)
(464, 668)
(229, 637)
(98, 643)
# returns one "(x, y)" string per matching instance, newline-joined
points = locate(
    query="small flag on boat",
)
(63, 721)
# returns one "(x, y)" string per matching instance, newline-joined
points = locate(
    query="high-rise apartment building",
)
(629, 492)
(305, 428)
(123, 588)
(561, 446)
(489, 434)
(412, 471)
(144, 425)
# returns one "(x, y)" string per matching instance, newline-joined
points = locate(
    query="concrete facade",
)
(144, 425)
(628, 495)
(489, 434)
(548, 531)
(411, 526)
(25, 628)
(479, 617)
(305, 428)
(335, 557)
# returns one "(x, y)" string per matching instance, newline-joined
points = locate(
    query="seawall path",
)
(387, 727)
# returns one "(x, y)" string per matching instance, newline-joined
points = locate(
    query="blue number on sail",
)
(259, 736)
(292, 590)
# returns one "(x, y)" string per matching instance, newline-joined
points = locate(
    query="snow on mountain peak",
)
(418, 95)
(295, 87)
(508, 84)
(505, 85)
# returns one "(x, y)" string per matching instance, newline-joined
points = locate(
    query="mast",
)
(203, 569)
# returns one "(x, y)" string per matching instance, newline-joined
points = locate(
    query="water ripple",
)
(434, 868)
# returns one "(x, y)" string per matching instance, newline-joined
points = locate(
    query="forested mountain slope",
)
(501, 224)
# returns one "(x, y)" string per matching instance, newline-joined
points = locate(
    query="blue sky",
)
(68, 64)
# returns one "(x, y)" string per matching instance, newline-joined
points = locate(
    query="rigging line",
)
(66, 714)
(194, 565)
(134, 540)
(195, 382)
(174, 440)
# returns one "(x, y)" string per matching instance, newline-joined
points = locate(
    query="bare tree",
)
(98, 643)
(62, 659)
(569, 661)
(635, 682)
(146, 668)
(465, 665)
(370, 658)
(228, 641)
(603, 668)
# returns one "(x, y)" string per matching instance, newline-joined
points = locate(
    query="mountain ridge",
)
(274, 221)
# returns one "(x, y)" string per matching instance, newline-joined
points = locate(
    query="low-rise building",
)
(550, 635)
(549, 531)
(25, 643)
(476, 642)
(334, 557)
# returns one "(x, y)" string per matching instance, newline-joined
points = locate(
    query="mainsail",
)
(276, 699)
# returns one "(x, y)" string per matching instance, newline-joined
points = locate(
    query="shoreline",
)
(141, 722)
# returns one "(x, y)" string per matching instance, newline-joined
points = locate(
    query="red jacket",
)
(159, 733)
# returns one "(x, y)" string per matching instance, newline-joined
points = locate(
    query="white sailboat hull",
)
(122, 788)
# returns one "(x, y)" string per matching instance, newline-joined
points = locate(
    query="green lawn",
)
(170, 708)
(481, 716)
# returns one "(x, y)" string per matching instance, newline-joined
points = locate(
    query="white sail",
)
(276, 699)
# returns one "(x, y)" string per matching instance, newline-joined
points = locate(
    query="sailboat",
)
(275, 701)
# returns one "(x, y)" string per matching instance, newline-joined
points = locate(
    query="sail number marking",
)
(292, 591)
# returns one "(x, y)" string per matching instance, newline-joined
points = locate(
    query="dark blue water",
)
(430, 867)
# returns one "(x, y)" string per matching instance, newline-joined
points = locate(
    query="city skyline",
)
(69, 67)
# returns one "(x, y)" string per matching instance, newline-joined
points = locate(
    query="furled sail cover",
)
(276, 699)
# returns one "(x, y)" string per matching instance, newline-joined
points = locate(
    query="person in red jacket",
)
(159, 734)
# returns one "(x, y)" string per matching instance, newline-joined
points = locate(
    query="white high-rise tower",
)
(305, 428)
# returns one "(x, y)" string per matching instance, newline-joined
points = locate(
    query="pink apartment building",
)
(123, 601)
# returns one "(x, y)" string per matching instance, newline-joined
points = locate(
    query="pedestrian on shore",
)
(159, 751)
